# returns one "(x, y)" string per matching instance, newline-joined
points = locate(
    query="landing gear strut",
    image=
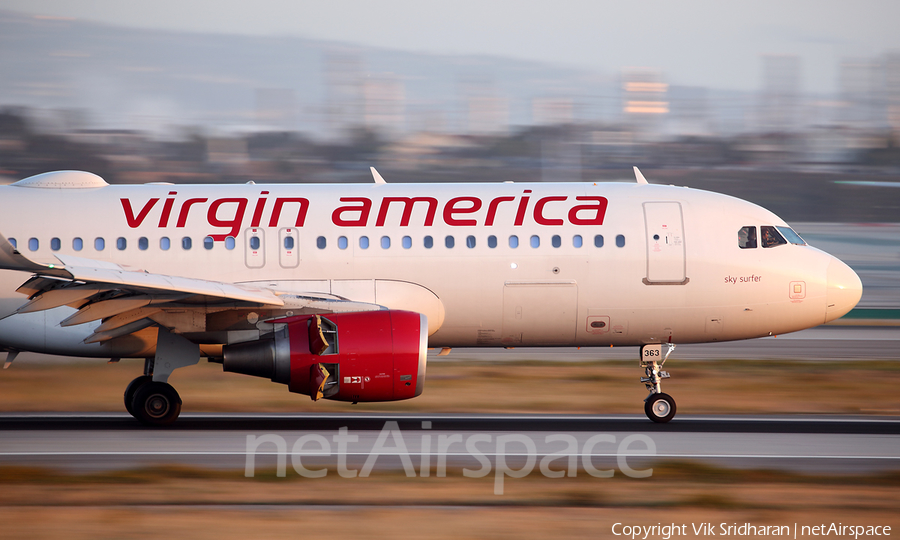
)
(658, 406)
(150, 398)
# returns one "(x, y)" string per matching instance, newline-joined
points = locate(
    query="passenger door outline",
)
(666, 264)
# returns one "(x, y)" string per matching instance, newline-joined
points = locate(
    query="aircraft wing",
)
(129, 300)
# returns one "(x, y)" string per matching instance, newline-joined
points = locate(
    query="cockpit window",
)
(771, 237)
(791, 236)
(747, 237)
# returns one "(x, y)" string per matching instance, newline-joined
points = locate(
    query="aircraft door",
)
(289, 248)
(254, 248)
(665, 244)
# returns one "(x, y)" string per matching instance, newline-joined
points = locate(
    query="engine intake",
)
(364, 356)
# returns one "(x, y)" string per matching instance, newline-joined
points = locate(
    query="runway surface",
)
(95, 441)
(823, 343)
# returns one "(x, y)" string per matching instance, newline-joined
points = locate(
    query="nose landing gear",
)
(658, 406)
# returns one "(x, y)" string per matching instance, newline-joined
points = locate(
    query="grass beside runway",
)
(200, 503)
(699, 387)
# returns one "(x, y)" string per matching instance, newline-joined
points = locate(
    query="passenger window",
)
(55, 244)
(577, 241)
(771, 237)
(598, 240)
(321, 243)
(143, 243)
(429, 242)
(470, 241)
(77, 244)
(747, 237)
(164, 243)
(121, 243)
(288, 242)
(33, 244)
(99, 244)
(492, 241)
(342, 242)
(535, 241)
(513, 241)
(208, 242)
(556, 241)
(229, 243)
(620, 240)
(364, 242)
(449, 242)
(407, 242)
(254, 242)
(186, 243)
(385, 242)
(13, 242)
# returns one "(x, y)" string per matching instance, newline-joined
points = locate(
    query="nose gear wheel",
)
(658, 407)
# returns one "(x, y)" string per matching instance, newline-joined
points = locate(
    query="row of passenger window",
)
(122, 243)
(321, 242)
(470, 241)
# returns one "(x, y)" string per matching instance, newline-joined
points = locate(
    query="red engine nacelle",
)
(361, 356)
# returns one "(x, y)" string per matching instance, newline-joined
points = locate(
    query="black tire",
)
(131, 389)
(156, 404)
(660, 408)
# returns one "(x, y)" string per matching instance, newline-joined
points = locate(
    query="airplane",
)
(338, 291)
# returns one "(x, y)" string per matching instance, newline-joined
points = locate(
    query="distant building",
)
(690, 111)
(276, 108)
(645, 102)
(892, 92)
(385, 104)
(548, 111)
(779, 108)
(487, 115)
(227, 151)
(344, 102)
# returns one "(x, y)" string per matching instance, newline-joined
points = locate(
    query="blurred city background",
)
(793, 105)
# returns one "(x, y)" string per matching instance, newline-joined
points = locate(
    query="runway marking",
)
(449, 454)
(438, 416)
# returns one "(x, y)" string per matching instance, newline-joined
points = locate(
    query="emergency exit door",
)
(254, 248)
(665, 244)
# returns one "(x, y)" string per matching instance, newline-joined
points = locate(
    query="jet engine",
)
(361, 356)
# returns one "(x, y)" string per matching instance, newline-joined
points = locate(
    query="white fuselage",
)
(669, 268)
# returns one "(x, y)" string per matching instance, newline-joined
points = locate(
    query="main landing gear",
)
(150, 398)
(658, 406)
(153, 403)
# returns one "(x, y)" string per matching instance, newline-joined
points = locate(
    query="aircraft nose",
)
(844, 290)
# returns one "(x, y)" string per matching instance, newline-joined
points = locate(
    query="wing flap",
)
(127, 317)
(157, 282)
(130, 328)
(59, 297)
(106, 308)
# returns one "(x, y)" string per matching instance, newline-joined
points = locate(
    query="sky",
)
(716, 44)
